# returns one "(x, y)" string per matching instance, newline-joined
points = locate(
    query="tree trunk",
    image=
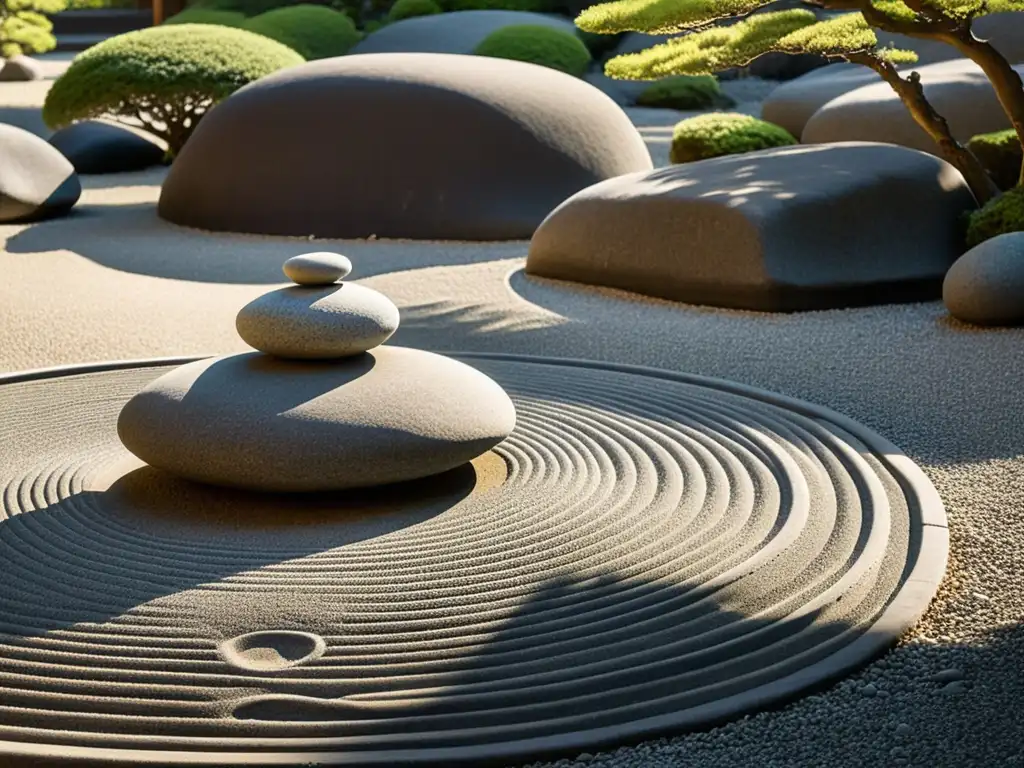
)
(1005, 80)
(911, 93)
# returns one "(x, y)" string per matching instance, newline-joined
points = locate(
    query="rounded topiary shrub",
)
(537, 45)
(315, 31)
(407, 9)
(718, 134)
(24, 28)
(163, 79)
(1001, 155)
(997, 217)
(685, 92)
(208, 16)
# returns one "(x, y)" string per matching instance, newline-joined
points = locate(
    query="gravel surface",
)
(115, 282)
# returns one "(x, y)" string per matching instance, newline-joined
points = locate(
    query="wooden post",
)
(158, 12)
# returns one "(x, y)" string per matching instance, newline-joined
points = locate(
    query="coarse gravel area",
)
(113, 281)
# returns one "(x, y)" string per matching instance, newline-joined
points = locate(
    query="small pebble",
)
(869, 690)
(955, 688)
(321, 268)
(902, 730)
(947, 676)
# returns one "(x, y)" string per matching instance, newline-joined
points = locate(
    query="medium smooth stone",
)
(305, 322)
(986, 285)
(321, 268)
(507, 142)
(781, 230)
(793, 103)
(958, 90)
(251, 421)
(36, 181)
(456, 32)
(20, 69)
(97, 148)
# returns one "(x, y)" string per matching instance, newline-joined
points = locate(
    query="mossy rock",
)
(597, 44)
(685, 93)
(314, 31)
(200, 15)
(535, 44)
(183, 69)
(407, 9)
(998, 216)
(719, 134)
(1001, 154)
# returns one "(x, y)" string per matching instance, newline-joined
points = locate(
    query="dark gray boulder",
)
(421, 146)
(36, 181)
(986, 285)
(458, 32)
(785, 229)
(97, 148)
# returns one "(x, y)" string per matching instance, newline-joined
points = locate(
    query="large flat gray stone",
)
(958, 90)
(422, 146)
(254, 422)
(779, 230)
(458, 32)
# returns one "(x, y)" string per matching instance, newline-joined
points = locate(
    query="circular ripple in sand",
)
(647, 552)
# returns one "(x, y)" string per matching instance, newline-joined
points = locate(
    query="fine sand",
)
(114, 282)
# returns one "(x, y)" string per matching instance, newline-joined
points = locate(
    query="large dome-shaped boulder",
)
(36, 181)
(783, 229)
(458, 32)
(792, 104)
(420, 146)
(958, 90)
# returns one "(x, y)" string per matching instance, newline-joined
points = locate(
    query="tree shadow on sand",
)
(910, 380)
(112, 597)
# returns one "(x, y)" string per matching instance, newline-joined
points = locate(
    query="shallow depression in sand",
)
(270, 651)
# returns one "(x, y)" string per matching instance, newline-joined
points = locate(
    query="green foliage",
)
(196, 15)
(843, 35)
(407, 9)
(713, 50)
(162, 79)
(718, 134)
(538, 45)
(685, 92)
(373, 25)
(661, 16)
(24, 28)
(93, 5)
(997, 217)
(315, 31)
(1001, 154)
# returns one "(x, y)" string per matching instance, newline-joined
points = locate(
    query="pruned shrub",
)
(407, 9)
(197, 15)
(719, 134)
(1001, 154)
(315, 31)
(163, 79)
(535, 44)
(998, 216)
(685, 92)
(24, 28)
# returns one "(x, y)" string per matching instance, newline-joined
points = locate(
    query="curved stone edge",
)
(905, 609)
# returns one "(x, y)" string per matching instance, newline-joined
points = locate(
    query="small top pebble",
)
(321, 268)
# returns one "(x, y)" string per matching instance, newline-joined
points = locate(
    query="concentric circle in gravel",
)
(647, 553)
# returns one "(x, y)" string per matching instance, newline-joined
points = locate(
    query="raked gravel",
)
(113, 281)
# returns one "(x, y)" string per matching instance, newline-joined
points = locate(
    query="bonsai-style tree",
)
(24, 28)
(847, 36)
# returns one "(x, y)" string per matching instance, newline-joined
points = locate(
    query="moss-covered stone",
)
(535, 44)
(719, 134)
(997, 217)
(315, 31)
(685, 92)
(1001, 154)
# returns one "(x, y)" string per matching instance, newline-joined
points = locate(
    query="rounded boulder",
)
(36, 181)
(97, 148)
(456, 32)
(251, 421)
(317, 323)
(418, 146)
(985, 286)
